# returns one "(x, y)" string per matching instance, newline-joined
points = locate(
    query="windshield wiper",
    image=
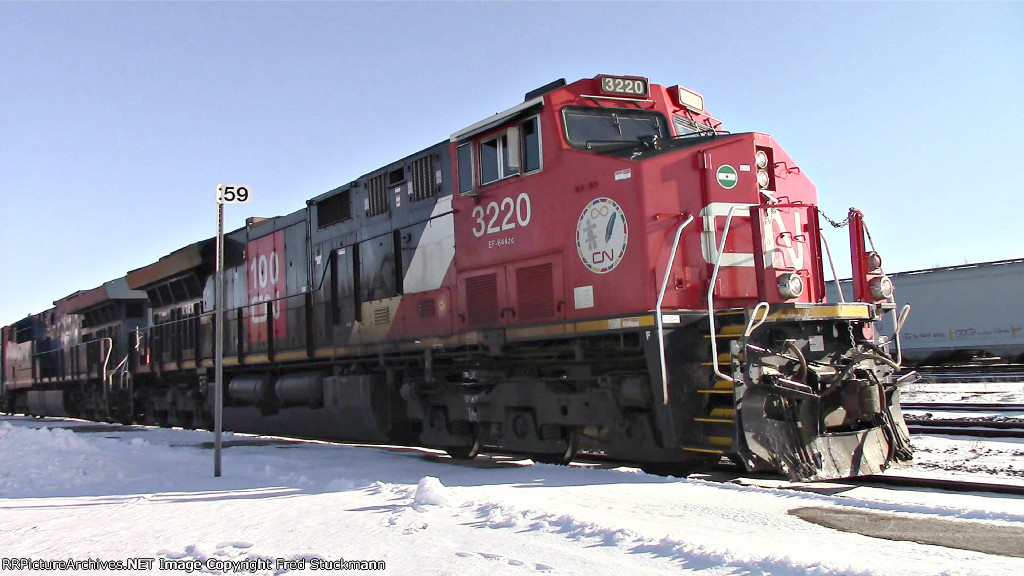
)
(644, 142)
(610, 144)
(703, 133)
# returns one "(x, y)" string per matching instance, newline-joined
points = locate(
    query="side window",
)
(686, 126)
(531, 145)
(489, 161)
(516, 150)
(497, 160)
(465, 153)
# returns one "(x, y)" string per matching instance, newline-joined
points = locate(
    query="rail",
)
(657, 307)
(969, 428)
(963, 406)
(971, 374)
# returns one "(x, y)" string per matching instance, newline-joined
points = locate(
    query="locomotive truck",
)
(600, 268)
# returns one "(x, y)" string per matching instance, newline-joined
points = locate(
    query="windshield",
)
(585, 126)
(686, 126)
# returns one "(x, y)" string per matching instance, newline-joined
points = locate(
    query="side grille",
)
(381, 315)
(378, 195)
(482, 300)
(426, 309)
(535, 293)
(423, 185)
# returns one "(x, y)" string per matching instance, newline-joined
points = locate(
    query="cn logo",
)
(603, 257)
(602, 235)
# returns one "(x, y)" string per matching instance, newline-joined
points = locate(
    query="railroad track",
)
(971, 373)
(728, 474)
(939, 484)
(963, 406)
(724, 472)
(974, 428)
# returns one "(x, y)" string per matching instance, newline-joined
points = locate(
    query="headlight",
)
(791, 285)
(761, 159)
(762, 179)
(874, 261)
(881, 288)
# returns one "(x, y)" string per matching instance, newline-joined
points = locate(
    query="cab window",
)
(515, 150)
(686, 126)
(496, 160)
(530, 130)
(585, 127)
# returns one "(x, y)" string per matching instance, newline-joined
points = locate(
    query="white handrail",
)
(754, 323)
(711, 293)
(106, 359)
(832, 265)
(657, 307)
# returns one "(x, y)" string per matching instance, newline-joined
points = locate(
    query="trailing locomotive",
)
(600, 268)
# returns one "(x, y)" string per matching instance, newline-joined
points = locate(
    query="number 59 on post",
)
(232, 194)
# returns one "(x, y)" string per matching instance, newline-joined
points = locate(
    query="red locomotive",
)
(600, 268)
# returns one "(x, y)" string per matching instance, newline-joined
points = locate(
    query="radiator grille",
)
(482, 300)
(378, 195)
(535, 293)
(423, 185)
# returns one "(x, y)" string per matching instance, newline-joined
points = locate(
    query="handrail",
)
(106, 359)
(898, 321)
(711, 291)
(212, 313)
(832, 266)
(897, 318)
(657, 307)
(149, 332)
(754, 323)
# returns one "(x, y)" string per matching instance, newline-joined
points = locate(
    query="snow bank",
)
(47, 461)
(430, 491)
(61, 462)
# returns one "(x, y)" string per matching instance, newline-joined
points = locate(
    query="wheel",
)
(464, 452)
(560, 458)
(672, 470)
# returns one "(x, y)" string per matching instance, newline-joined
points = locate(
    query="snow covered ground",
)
(965, 457)
(113, 493)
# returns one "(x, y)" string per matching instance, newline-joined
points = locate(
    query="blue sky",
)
(117, 120)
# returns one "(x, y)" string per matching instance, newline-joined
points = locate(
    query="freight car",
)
(600, 268)
(961, 313)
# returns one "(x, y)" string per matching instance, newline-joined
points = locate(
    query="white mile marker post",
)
(226, 194)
